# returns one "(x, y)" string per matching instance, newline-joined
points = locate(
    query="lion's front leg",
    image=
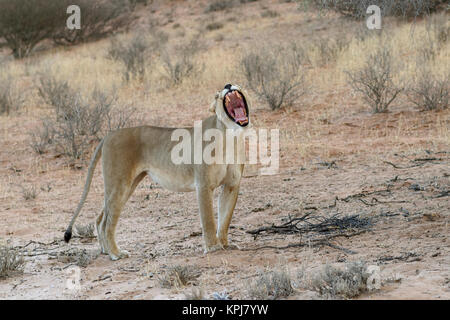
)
(205, 201)
(226, 203)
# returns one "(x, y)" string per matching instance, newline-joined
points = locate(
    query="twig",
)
(397, 167)
(329, 165)
(108, 276)
(375, 201)
(310, 223)
(368, 203)
(332, 205)
(37, 242)
(363, 194)
(312, 243)
(443, 194)
(400, 179)
(392, 201)
(28, 254)
(348, 251)
(428, 159)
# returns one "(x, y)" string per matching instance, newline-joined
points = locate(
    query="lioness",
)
(132, 153)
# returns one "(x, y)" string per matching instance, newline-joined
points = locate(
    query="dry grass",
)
(134, 54)
(79, 257)
(218, 5)
(325, 51)
(29, 193)
(357, 8)
(84, 67)
(88, 67)
(430, 92)
(273, 284)
(180, 63)
(195, 294)
(11, 262)
(333, 282)
(405, 41)
(11, 99)
(86, 231)
(269, 14)
(178, 276)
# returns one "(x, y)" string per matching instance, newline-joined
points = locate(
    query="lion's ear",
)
(212, 107)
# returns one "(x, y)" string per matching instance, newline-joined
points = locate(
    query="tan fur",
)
(128, 155)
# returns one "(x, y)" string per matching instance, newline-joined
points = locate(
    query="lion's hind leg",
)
(115, 200)
(113, 207)
(100, 223)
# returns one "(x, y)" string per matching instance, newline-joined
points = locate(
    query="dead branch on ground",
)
(317, 230)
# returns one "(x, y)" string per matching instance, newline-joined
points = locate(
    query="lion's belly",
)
(174, 181)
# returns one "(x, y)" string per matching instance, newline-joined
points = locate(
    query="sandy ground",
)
(409, 239)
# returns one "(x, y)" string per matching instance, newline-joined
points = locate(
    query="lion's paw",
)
(231, 247)
(120, 255)
(213, 248)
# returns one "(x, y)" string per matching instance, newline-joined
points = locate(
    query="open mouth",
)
(236, 107)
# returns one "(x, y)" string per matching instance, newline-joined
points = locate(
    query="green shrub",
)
(181, 63)
(429, 91)
(24, 23)
(374, 81)
(275, 74)
(271, 285)
(11, 261)
(75, 120)
(133, 54)
(333, 282)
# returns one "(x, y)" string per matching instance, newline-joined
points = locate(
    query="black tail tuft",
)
(67, 235)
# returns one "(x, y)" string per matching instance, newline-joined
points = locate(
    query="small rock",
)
(435, 254)
(431, 216)
(415, 187)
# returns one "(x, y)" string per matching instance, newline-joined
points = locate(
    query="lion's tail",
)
(87, 186)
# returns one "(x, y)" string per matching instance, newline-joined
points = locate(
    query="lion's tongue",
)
(239, 114)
